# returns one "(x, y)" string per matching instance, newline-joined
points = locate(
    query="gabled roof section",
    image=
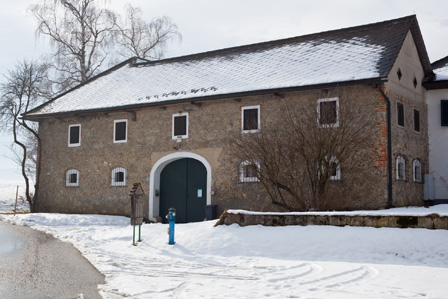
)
(356, 54)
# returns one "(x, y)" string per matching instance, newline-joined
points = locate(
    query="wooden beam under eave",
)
(237, 100)
(280, 95)
(196, 104)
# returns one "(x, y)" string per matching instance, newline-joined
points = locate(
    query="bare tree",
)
(145, 40)
(23, 89)
(303, 147)
(86, 37)
(81, 35)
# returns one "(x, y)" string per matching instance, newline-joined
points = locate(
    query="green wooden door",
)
(183, 185)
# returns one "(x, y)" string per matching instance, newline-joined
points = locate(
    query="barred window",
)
(119, 176)
(417, 171)
(400, 168)
(248, 171)
(72, 178)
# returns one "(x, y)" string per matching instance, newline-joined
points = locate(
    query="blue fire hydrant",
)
(172, 219)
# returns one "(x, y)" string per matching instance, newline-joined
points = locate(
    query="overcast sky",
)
(213, 24)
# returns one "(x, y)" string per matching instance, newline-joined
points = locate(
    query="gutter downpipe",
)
(389, 146)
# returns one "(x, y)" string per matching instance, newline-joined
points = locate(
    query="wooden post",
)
(15, 206)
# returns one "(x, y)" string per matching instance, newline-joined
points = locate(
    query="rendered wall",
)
(438, 143)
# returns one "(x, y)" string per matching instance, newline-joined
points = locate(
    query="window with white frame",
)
(120, 130)
(400, 168)
(250, 119)
(328, 112)
(119, 176)
(417, 170)
(72, 178)
(74, 135)
(180, 125)
(335, 170)
(248, 171)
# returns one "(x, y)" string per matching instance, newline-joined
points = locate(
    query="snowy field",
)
(256, 261)
(8, 191)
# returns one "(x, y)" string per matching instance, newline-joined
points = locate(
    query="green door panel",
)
(181, 185)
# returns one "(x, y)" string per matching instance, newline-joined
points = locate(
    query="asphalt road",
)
(36, 265)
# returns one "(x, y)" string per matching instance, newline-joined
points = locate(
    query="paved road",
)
(35, 265)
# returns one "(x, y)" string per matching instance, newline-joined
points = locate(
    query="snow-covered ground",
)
(8, 190)
(256, 261)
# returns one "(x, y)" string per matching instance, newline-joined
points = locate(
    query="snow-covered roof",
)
(353, 54)
(440, 68)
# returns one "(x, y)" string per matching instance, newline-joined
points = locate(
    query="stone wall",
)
(405, 141)
(432, 221)
(210, 125)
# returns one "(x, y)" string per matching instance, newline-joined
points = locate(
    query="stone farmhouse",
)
(437, 101)
(165, 123)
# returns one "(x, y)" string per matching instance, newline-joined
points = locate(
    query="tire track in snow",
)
(341, 279)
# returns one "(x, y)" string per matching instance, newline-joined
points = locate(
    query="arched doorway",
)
(156, 212)
(182, 186)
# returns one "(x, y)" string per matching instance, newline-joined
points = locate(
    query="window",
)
(400, 114)
(248, 171)
(400, 168)
(335, 170)
(417, 171)
(74, 135)
(399, 74)
(180, 125)
(119, 176)
(328, 112)
(250, 119)
(444, 113)
(415, 82)
(72, 178)
(120, 130)
(416, 120)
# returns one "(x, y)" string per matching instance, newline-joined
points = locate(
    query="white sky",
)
(208, 25)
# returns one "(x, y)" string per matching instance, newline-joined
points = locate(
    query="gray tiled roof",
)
(353, 54)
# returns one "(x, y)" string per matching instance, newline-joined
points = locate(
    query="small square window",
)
(120, 130)
(328, 112)
(416, 120)
(400, 114)
(72, 178)
(119, 176)
(180, 125)
(74, 135)
(248, 171)
(250, 119)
